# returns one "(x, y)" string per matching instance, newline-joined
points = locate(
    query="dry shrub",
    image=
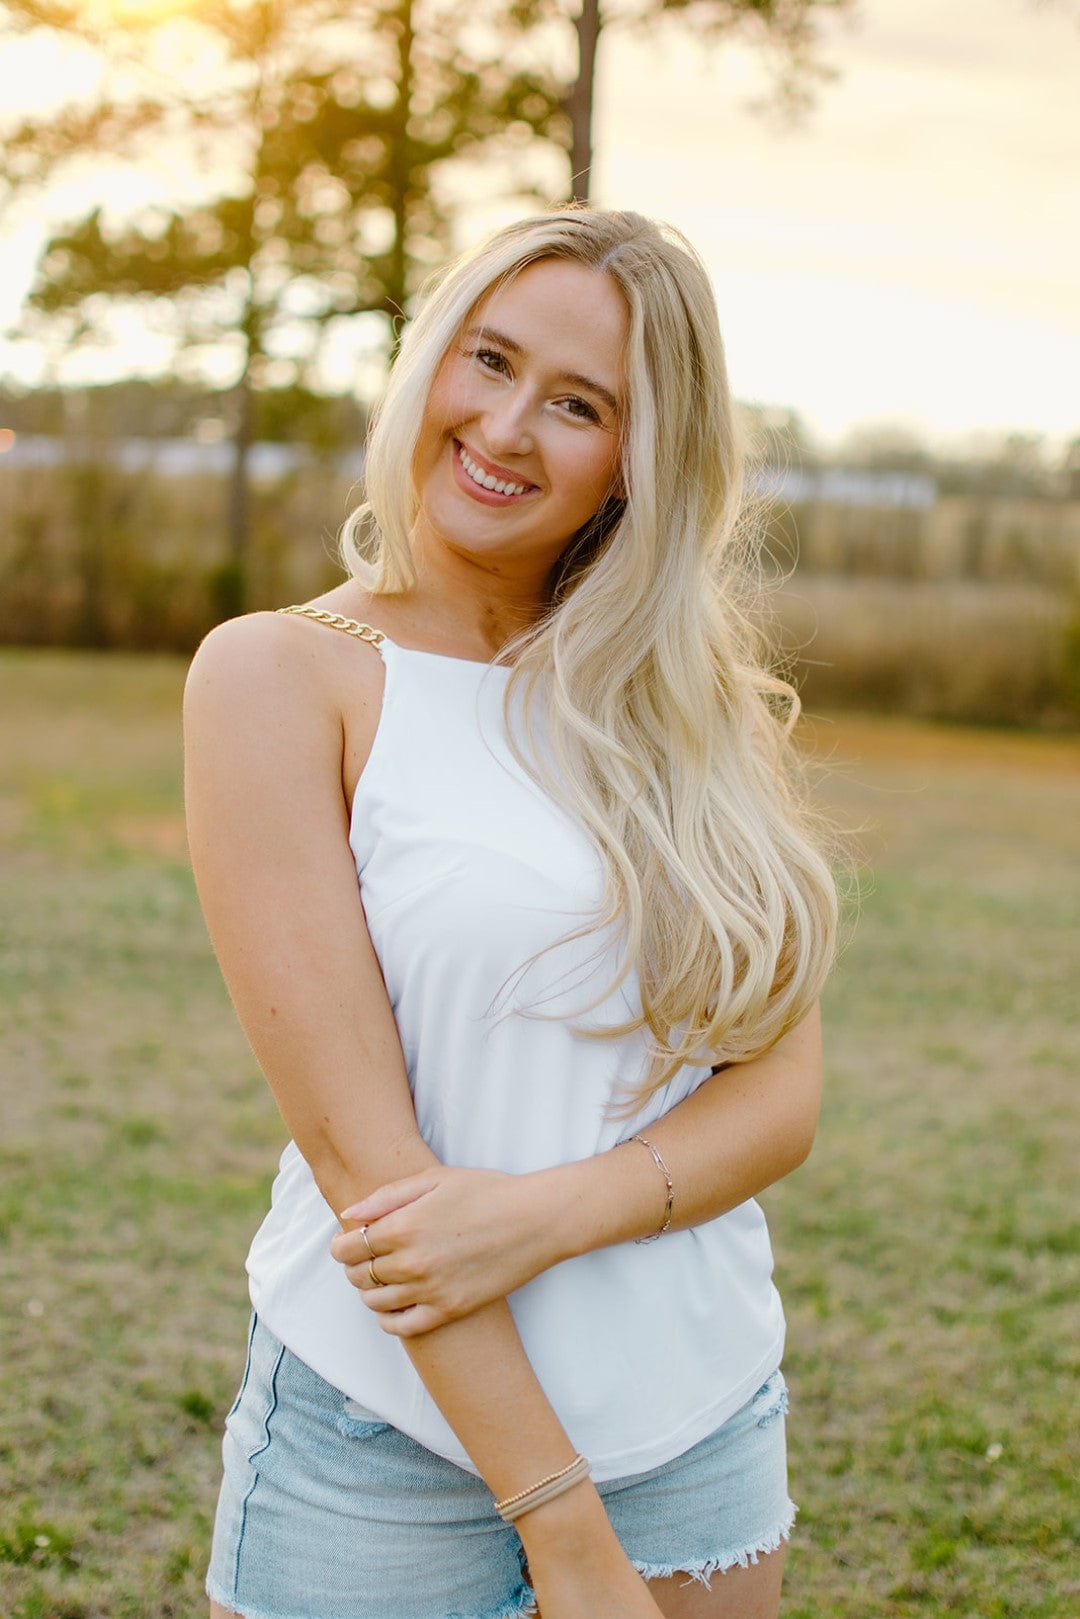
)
(97, 556)
(943, 649)
(874, 614)
(993, 542)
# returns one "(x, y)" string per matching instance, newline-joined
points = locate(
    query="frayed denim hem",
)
(520, 1606)
(217, 1595)
(703, 1571)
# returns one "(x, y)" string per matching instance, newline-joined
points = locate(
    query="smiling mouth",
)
(496, 483)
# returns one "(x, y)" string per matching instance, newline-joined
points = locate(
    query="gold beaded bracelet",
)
(512, 1507)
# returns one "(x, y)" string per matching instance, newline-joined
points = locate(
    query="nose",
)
(508, 423)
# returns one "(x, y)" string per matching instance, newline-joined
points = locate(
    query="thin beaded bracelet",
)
(663, 1168)
(512, 1507)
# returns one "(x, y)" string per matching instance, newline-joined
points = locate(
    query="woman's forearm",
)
(478, 1374)
(475, 1369)
(739, 1132)
(451, 1241)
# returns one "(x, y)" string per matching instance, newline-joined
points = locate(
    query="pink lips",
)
(491, 497)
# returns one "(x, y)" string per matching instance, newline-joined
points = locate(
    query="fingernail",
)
(351, 1214)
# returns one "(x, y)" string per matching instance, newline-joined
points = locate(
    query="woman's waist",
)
(638, 1346)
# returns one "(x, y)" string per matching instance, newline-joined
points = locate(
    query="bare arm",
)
(455, 1238)
(267, 828)
(739, 1132)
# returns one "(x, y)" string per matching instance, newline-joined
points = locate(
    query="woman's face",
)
(519, 445)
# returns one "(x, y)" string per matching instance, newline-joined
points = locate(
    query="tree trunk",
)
(579, 103)
(397, 287)
(232, 579)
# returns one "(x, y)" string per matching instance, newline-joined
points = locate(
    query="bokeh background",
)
(213, 216)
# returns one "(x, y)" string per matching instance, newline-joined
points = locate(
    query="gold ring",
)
(367, 1244)
(376, 1280)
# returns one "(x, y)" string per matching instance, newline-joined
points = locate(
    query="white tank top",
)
(467, 869)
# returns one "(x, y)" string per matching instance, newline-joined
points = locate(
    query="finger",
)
(360, 1276)
(394, 1195)
(349, 1247)
(385, 1300)
(413, 1322)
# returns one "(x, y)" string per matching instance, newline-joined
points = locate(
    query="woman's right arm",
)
(268, 832)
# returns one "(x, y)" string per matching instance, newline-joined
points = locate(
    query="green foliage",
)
(323, 133)
(33, 1541)
(786, 30)
(197, 1405)
(320, 130)
(226, 586)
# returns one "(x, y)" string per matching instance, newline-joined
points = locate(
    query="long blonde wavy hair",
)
(668, 738)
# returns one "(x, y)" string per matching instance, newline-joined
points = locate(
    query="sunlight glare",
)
(145, 12)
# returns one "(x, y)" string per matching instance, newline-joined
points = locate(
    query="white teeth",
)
(487, 480)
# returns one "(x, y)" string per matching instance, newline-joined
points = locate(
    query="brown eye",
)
(581, 409)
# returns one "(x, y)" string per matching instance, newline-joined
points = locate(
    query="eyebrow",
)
(578, 378)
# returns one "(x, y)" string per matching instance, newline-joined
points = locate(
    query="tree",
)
(886, 447)
(323, 130)
(1070, 467)
(786, 29)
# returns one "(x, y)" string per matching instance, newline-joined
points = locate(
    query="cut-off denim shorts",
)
(327, 1514)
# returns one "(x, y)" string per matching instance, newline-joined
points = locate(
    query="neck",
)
(477, 602)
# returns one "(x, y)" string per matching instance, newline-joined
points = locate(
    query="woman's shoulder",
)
(233, 644)
(249, 662)
(284, 678)
(278, 652)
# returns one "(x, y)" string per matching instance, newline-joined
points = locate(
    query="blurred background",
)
(213, 216)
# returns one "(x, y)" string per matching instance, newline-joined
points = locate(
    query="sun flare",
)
(145, 11)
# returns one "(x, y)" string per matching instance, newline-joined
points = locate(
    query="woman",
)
(575, 1011)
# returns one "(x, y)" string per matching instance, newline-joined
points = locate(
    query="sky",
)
(912, 250)
(908, 252)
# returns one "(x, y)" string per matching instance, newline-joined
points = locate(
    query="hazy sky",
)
(910, 251)
(913, 249)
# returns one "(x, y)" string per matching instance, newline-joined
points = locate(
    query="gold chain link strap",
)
(336, 621)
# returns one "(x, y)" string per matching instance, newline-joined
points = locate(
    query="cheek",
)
(439, 418)
(598, 473)
(448, 400)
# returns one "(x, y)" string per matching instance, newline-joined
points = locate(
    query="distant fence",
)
(168, 457)
(889, 597)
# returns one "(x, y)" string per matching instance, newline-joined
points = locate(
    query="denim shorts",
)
(326, 1514)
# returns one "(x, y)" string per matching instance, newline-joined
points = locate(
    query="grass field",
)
(927, 1252)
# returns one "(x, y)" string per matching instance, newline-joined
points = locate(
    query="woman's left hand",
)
(443, 1243)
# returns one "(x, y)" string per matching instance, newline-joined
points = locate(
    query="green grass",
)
(927, 1252)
